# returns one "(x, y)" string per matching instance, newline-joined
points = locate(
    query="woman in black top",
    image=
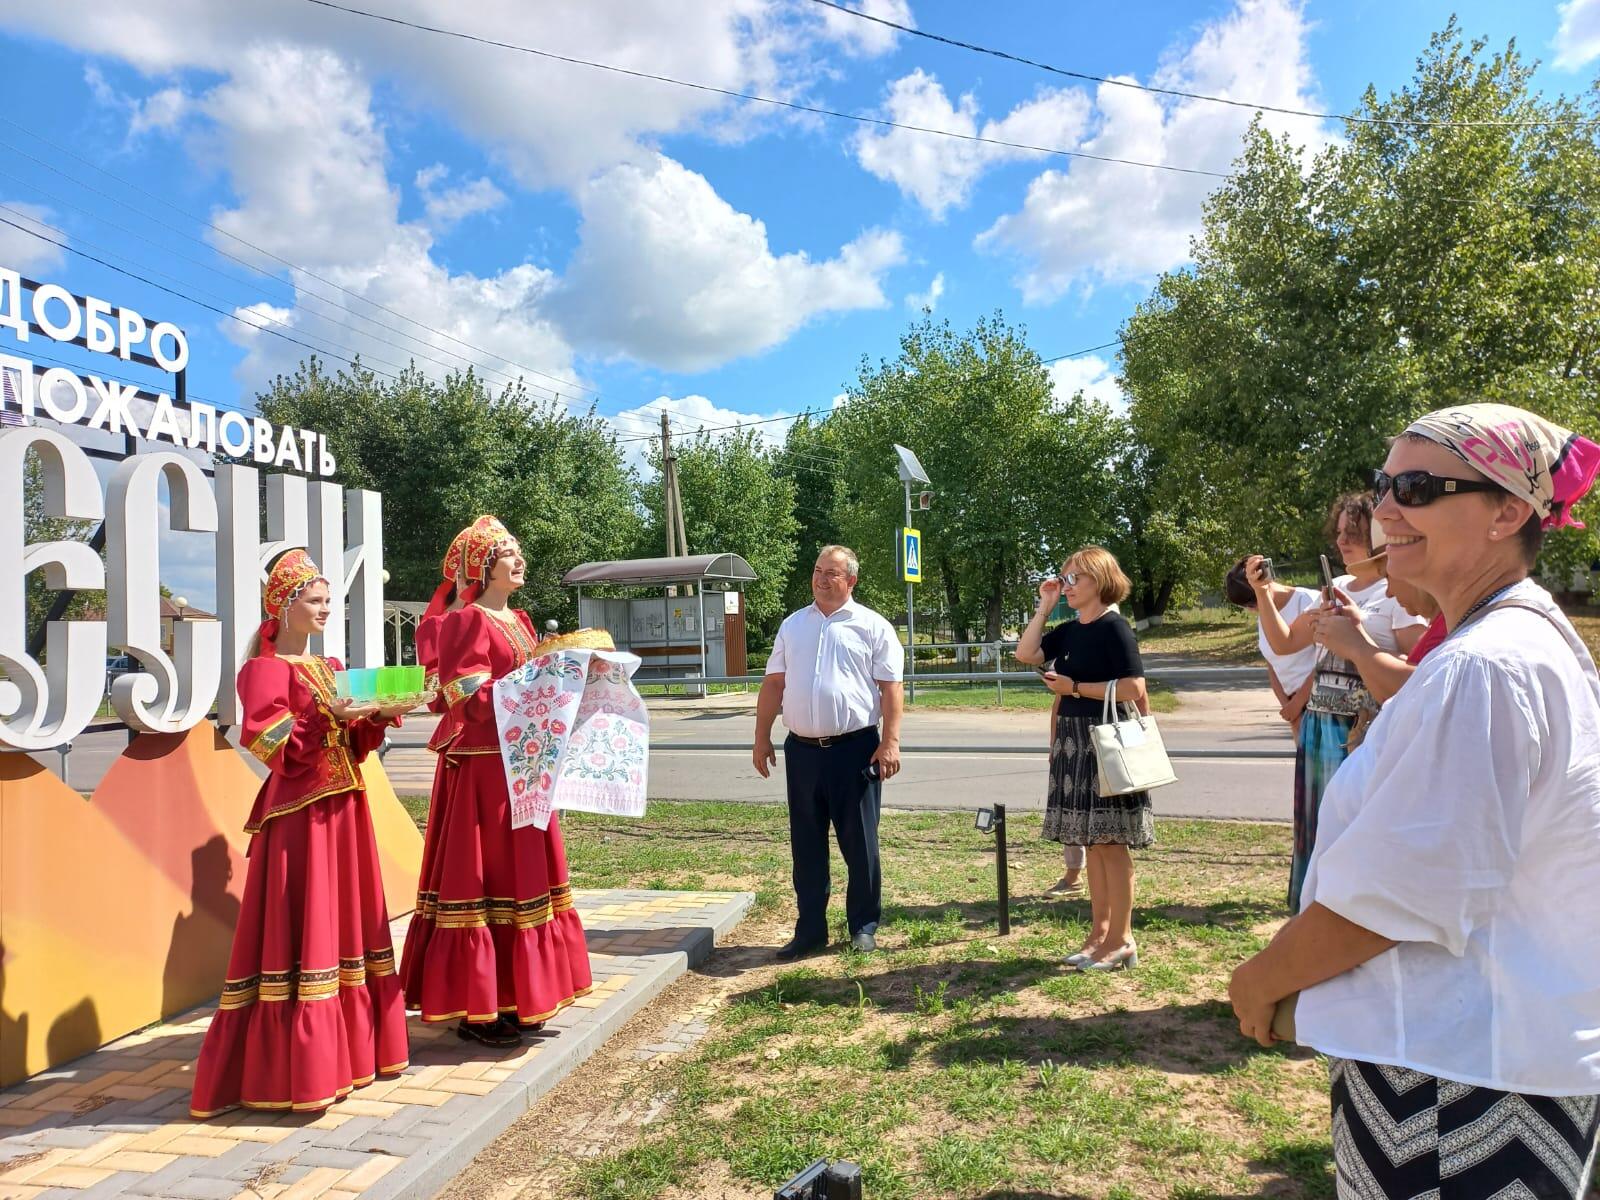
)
(1085, 655)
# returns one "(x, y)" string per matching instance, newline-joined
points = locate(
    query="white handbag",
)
(1131, 754)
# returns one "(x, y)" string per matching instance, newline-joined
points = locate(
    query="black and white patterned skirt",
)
(1400, 1134)
(1076, 814)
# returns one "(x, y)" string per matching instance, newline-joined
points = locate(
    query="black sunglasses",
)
(1414, 489)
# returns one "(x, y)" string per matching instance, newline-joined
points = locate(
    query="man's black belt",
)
(837, 738)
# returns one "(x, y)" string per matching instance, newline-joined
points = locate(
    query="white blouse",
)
(1467, 828)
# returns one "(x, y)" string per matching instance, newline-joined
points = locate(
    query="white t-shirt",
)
(1294, 669)
(832, 667)
(1467, 828)
(1339, 687)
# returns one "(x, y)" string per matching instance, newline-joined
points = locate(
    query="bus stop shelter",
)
(700, 634)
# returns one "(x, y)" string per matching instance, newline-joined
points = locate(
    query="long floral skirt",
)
(494, 931)
(1318, 754)
(1076, 814)
(1400, 1134)
(311, 1008)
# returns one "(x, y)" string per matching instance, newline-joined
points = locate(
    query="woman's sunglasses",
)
(1414, 489)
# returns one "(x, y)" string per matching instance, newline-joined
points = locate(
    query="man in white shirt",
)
(834, 672)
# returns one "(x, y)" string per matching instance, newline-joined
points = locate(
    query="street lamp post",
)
(910, 472)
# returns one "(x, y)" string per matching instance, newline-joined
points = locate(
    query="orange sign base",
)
(118, 910)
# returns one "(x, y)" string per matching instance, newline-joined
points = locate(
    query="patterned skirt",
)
(1076, 814)
(1318, 755)
(495, 932)
(1400, 1134)
(311, 1008)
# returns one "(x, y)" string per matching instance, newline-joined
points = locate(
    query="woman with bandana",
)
(495, 942)
(310, 1008)
(1444, 953)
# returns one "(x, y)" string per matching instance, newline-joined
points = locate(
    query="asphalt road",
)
(1231, 753)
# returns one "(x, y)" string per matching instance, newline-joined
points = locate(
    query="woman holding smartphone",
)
(1340, 698)
(1083, 656)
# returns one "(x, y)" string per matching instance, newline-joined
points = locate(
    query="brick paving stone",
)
(116, 1122)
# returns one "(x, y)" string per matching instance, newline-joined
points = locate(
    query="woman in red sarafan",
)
(496, 941)
(311, 1008)
(446, 600)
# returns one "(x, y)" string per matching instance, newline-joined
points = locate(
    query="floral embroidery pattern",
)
(574, 734)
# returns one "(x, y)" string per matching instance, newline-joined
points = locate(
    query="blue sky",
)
(651, 246)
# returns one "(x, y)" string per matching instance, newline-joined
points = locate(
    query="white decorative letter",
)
(41, 708)
(171, 694)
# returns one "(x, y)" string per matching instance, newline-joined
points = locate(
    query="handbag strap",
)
(1108, 705)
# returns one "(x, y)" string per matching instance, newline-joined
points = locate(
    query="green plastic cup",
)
(364, 684)
(416, 679)
(391, 682)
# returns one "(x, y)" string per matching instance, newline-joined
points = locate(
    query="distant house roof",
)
(189, 613)
(658, 572)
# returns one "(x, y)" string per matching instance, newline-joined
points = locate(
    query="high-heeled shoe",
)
(1125, 956)
(1078, 959)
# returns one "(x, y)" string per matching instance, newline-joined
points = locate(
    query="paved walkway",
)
(115, 1123)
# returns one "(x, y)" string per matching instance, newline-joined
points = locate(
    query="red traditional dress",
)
(495, 931)
(311, 1007)
(428, 658)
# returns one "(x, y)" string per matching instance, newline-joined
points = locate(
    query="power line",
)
(757, 98)
(160, 287)
(300, 296)
(201, 221)
(1161, 91)
(404, 349)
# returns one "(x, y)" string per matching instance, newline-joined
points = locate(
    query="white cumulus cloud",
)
(917, 301)
(448, 206)
(552, 122)
(1106, 221)
(1091, 375)
(668, 272)
(939, 172)
(308, 162)
(1577, 41)
(21, 250)
(638, 429)
(867, 39)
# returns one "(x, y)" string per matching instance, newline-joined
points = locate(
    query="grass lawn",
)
(1028, 695)
(1219, 635)
(956, 1063)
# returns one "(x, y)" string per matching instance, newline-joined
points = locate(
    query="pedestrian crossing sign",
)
(911, 553)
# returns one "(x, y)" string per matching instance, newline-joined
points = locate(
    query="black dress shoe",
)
(794, 949)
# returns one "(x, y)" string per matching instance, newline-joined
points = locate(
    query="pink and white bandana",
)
(1537, 460)
(574, 734)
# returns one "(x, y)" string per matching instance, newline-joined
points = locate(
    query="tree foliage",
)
(1020, 478)
(1409, 266)
(735, 501)
(444, 452)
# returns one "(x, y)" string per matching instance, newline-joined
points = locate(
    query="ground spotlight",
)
(823, 1180)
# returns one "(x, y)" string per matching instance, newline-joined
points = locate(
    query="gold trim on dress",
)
(459, 689)
(273, 738)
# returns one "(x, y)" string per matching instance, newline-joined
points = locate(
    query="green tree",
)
(810, 459)
(1020, 477)
(735, 501)
(444, 452)
(38, 526)
(1412, 265)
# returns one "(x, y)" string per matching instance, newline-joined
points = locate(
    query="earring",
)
(1494, 533)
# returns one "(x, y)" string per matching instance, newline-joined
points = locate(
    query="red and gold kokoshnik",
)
(473, 550)
(291, 575)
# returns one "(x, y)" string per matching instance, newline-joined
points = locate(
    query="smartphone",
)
(870, 771)
(1041, 672)
(1327, 580)
(1267, 571)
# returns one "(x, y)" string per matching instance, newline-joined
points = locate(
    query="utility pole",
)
(672, 501)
